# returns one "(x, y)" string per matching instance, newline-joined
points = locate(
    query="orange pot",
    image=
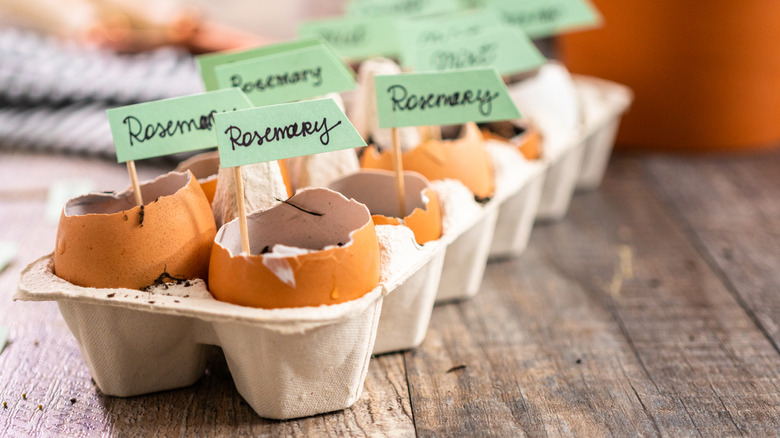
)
(705, 76)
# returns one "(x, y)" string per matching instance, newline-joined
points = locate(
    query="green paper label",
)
(169, 126)
(355, 38)
(208, 63)
(401, 8)
(449, 98)
(285, 77)
(421, 32)
(283, 131)
(543, 18)
(507, 50)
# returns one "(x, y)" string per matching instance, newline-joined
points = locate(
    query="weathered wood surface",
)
(646, 311)
(611, 323)
(731, 208)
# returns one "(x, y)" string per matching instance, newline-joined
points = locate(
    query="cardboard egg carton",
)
(297, 362)
(603, 104)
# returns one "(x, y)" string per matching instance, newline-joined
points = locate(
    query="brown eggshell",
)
(205, 167)
(377, 190)
(464, 159)
(343, 266)
(105, 241)
(529, 143)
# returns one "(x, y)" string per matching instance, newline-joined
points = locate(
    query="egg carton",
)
(502, 228)
(286, 363)
(407, 310)
(560, 181)
(603, 105)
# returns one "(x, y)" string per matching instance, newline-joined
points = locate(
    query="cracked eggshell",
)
(464, 159)
(377, 190)
(106, 241)
(528, 142)
(205, 167)
(306, 260)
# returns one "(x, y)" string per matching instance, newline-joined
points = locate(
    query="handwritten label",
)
(542, 18)
(355, 38)
(208, 63)
(400, 8)
(283, 131)
(169, 126)
(448, 98)
(285, 77)
(421, 32)
(507, 50)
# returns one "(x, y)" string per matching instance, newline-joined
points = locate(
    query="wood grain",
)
(663, 347)
(646, 311)
(731, 208)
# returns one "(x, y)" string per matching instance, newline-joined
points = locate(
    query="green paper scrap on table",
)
(8, 251)
(4, 332)
(61, 191)
(543, 18)
(289, 76)
(401, 8)
(169, 126)
(447, 98)
(506, 49)
(355, 38)
(283, 131)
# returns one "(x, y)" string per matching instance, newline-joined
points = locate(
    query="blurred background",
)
(704, 78)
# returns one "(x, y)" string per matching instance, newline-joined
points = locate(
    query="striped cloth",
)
(54, 94)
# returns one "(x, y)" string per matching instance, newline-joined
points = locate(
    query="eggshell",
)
(205, 167)
(333, 257)
(377, 190)
(529, 143)
(104, 240)
(464, 159)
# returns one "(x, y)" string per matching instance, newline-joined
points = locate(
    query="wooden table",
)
(653, 308)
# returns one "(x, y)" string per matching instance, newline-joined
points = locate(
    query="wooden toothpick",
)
(139, 200)
(241, 210)
(399, 172)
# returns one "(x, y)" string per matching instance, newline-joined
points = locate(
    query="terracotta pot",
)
(705, 76)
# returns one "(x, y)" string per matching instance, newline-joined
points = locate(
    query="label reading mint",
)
(170, 126)
(420, 32)
(283, 131)
(285, 77)
(418, 99)
(355, 38)
(543, 18)
(507, 50)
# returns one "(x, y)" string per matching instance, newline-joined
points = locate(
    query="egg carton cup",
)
(466, 256)
(560, 181)
(406, 310)
(516, 217)
(286, 363)
(603, 104)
